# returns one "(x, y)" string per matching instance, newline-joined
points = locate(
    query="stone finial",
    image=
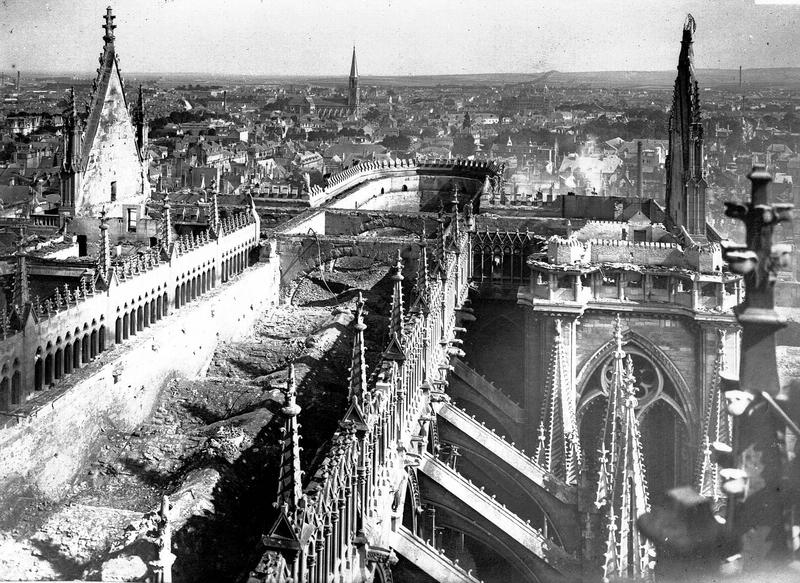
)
(109, 26)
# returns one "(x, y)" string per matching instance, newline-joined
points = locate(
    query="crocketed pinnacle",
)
(396, 341)
(104, 252)
(166, 226)
(422, 268)
(290, 475)
(716, 428)
(215, 211)
(421, 305)
(21, 292)
(559, 448)
(358, 362)
(622, 486)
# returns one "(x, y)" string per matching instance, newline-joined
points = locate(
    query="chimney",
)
(639, 171)
(18, 81)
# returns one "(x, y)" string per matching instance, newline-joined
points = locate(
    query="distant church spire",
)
(353, 98)
(686, 185)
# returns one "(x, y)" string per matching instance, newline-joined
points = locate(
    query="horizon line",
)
(92, 74)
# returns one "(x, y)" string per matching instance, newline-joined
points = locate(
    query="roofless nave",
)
(521, 340)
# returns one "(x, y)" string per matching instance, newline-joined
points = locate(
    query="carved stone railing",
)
(355, 488)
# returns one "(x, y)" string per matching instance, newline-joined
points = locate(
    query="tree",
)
(373, 114)
(400, 142)
(463, 146)
(429, 132)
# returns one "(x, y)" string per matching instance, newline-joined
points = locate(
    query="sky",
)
(396, 37)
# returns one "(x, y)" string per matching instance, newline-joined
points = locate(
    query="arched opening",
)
(125, 326)
(38, 374)
(5, 395)
(153, 317)
(158, 308)
(16, 388)
(184, 299)
(667, 448)
(59, 364)
(139, 319)
(177, 296)
(67, 358)
(93, 344)
(132, 323)
(101, 338)
(404, 188)
(118, 330)
(194, 288)
(213, 276)
(165, 305)
(48, 370)
(85, 349)
(409, 514)
(76, 353)
(203, 282)
(146, 319)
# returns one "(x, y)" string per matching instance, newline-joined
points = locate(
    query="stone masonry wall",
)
(119, 389)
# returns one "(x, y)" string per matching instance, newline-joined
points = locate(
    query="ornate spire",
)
(686, 186)
(396, 340)
(21, 293)
(290, 477)
(559, 449)
(104, 252)
(358, 362)
(716, 428)
(622, 487)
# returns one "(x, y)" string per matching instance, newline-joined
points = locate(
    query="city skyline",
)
(282, 38)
